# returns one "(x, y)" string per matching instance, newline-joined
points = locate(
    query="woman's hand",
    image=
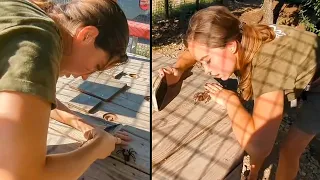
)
(124, 138)
(172, 74)
(218, 94)
(105, 142)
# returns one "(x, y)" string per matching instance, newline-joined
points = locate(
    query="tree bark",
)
(267, 12)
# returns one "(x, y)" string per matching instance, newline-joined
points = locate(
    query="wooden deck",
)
(131, 106)
(192, 141)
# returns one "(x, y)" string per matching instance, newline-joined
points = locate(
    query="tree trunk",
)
(166, 6)
(267, 12)
(197, 5)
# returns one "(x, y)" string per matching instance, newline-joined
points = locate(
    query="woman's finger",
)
(124, 143)
(212, 88)
(168, 70)
(123, 132)
(219, 86)
(123, 137)
(119, 141)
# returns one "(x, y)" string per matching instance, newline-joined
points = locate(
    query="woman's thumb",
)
(175, 71)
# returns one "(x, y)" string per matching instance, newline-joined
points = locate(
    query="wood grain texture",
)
(182, 120)
(108, 168)
(142, 148)
(61, 134)
(85, 102)
(104, 91)
(128, 112)
(192, 141)
(114, 170)
(210, 156)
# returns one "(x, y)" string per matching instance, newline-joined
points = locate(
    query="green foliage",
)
(310, 15)
(294, 1)
(175, 11)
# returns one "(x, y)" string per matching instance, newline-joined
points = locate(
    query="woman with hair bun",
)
(40, 41)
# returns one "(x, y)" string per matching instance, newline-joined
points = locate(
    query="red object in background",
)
(144, 4)
(139, 30)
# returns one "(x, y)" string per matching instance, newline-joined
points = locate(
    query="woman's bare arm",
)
(65, 115)
(185, 61)
(23, 133)
(257, 133)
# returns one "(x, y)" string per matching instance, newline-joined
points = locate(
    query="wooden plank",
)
(125, 115)
(59, 133)
(138, 132)
(76, 100)
(134, 101)
(104, 78)
(182, 146)
(108, 168)
(139, 119)
(112, 169)
(142, 149)
(143, 106)
(181, 121)
(122, 110)
(85, 102)
(101, 91)
(66, 135)
(161, 61)
(212, 155)
(130, 121)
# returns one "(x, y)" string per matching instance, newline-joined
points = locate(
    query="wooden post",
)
(166, 6)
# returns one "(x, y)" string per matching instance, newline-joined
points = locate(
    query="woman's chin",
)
(224, 78)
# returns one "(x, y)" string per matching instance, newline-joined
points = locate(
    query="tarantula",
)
(127, 153)
(202, 96)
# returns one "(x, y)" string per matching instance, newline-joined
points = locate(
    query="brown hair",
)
(216, 26)
(106, 15)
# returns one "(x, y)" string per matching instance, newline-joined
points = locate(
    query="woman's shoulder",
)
(289, 41)
(24, 14)
(30, 50)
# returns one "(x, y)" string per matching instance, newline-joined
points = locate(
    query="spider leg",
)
(133, 157)
(119, 151)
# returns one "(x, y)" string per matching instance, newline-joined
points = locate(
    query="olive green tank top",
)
(288, 63)
(30, 50)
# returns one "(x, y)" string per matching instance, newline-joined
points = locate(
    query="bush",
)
(310, 15)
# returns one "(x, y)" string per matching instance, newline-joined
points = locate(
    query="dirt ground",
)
(167, 38)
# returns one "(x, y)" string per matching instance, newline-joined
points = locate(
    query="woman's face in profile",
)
(218, 62)
(85, 57)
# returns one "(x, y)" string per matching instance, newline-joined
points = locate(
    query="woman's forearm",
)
(185, 61)
(64, 115)
(242, 123)
(71, 165)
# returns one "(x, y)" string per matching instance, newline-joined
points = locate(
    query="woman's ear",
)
(232, 47)
(87, 34)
